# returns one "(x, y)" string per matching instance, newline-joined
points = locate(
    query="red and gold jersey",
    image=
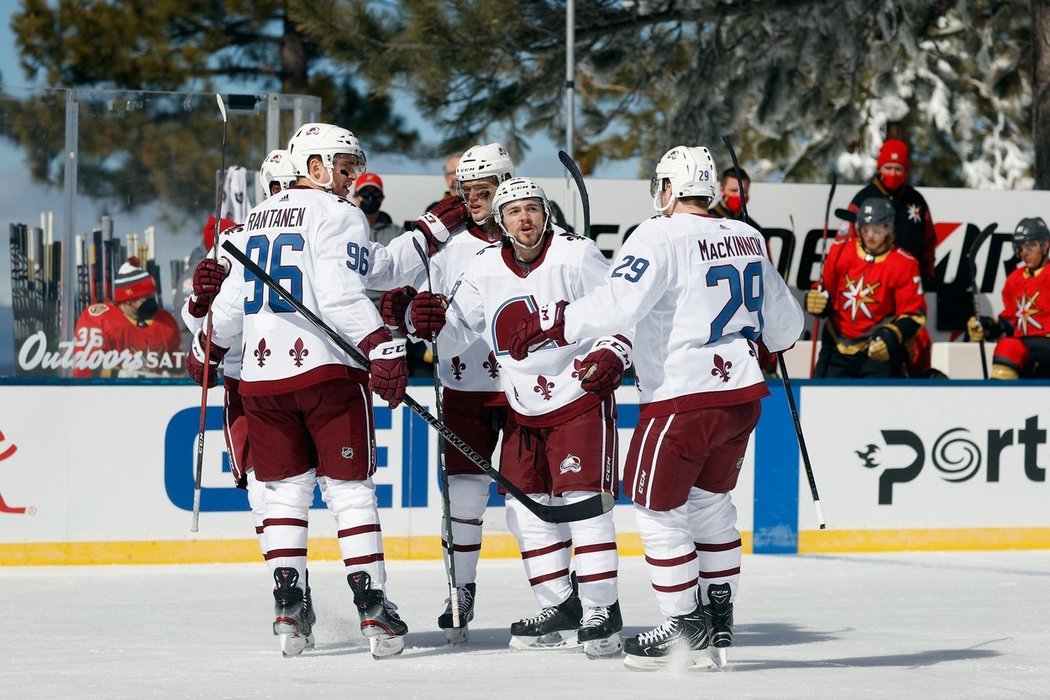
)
(108, 343)
(868, 291)
(1026, 302)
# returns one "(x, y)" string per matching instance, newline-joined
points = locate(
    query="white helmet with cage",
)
(691, 172)
(326, 141)
(516, 189)
(479, 162)
(276, 167)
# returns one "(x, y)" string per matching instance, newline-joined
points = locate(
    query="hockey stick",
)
(567, 513)
(820, 279)
(199, 468)
(577, 176)
(977, 243)
(446, 504)
(784, 373)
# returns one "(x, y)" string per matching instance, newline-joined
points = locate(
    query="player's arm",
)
(464, 316)
(782, 317)
(632, 286)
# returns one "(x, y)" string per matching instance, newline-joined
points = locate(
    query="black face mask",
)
(370, 202)
(148, 309)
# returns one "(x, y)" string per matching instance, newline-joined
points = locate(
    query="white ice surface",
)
(940, 625)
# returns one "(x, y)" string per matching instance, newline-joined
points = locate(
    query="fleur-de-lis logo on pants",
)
(491, 365)
(543, 387)
(457, 368)
(262, 352)
(721, 368)
(298, 352)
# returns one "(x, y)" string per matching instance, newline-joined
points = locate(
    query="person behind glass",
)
(1023, 327)
(307, 403)
(451, 178)
(734, 193)
(872, 297)
(129, 336)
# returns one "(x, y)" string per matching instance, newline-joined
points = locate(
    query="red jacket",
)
(107, 341)
(1026, 302)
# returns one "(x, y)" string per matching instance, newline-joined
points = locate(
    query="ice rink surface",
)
(930, 625)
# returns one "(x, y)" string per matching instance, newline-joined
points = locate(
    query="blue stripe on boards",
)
(775, 528)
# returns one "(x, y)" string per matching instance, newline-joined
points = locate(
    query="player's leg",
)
(338, 415)
(545, 547)
(582, 453)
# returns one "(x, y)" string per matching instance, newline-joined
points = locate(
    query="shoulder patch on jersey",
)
(571, 236)
(98, 309)
(490, 246)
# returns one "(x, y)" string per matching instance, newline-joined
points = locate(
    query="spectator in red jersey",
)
(130, 335)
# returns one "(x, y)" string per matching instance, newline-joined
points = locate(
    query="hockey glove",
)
(537, 329)
(601, 371)
(207, 280)
(885, 344)
(443, 218)
(427, 314)
(388, 365)
(816, 302)
(204, 370)
(975, 328)
(393, 306)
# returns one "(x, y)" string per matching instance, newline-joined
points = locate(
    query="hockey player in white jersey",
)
(307, 404)
(472, 400)
(699, 292)
(277, 174)
(560, 442)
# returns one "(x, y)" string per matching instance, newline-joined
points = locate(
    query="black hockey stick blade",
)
(577, 177)
(846, 215)
(567, 513)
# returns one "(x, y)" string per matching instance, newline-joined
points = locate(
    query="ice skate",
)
(600, 632)
(554, 628)
(308, 602)
(459, 635)
(291, 614)
(718, 614)
(678, 643)
(380, 622)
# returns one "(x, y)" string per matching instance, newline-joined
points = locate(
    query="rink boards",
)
(93, 473)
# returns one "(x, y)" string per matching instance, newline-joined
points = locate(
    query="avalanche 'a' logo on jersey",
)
(507, 316)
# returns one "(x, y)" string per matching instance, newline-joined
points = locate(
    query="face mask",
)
(370, 203)
(893, 181)
(148, 309)
(733, 203)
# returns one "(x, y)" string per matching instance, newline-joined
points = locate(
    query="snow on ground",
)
(931, 625)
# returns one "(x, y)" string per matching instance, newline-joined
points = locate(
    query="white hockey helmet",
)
(691, 172)
(490, 160)
(276, 167)
(513, 190)
(326, 141)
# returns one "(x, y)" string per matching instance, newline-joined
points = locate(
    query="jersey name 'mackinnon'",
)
(276, 218)
(730, 247)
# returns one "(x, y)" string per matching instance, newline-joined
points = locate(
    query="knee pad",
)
(296, 493)
(1009, 359)
(341, 495)
(468, 495)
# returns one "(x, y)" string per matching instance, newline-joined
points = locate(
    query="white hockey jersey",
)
(699, 291)
(475, 368)
(495, 292)
(315, 245)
